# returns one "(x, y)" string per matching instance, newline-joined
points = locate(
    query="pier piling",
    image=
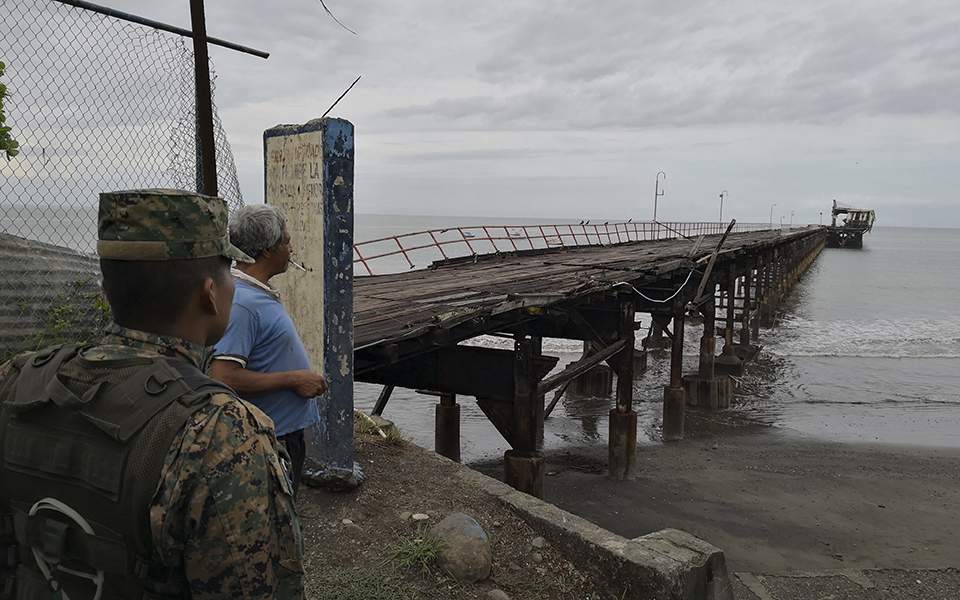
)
(674, 396)
(447, 427)
(623, 420)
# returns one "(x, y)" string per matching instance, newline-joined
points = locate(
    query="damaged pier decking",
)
(408, 327)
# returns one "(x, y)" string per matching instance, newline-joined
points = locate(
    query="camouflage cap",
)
(160, 224)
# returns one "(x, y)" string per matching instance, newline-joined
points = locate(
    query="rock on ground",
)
(466, 552)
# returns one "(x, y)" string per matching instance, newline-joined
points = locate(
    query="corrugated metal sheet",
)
(48, 294)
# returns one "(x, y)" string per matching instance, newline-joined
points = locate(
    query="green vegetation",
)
(357, 584)
(9, 147)
(419, 550)
(79, 313)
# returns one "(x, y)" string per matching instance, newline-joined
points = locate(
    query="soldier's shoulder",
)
(11, 368)
(227, 423)
(13, 364)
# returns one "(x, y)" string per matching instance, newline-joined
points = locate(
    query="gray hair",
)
(256, 228)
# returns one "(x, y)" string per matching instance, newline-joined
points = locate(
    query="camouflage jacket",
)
(224, 511)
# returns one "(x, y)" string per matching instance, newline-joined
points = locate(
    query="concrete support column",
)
(623, 420)
(598, 381)
(708, 343)
(706, 389)
(674, 396)
(536, 343)
(731, 295)
(524, 465)
(729, 363)
(446, 437)
(757, 300)
(745, 322)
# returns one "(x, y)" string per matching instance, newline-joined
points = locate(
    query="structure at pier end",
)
(849, 233)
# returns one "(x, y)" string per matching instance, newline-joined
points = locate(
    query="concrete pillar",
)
(708, 343)
(447, 427)
(674, 397)
(524, 471)
(747, 307)
(657, 339)
(623, 444)
(309, 175)
(524, 465)
(536, 343)
(623, 421)
(598, 381)
(706, 389)
(757, 300)
(729, 363)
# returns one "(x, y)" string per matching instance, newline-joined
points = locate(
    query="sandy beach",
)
(779, 502)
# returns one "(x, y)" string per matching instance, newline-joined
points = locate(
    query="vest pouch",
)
(33, 388)
(126, 407)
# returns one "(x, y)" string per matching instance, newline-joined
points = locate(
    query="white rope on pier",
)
(649, 299)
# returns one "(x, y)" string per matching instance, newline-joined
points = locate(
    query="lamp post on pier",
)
(791, 218)
(771, 214)
(657, 192)
(723, 195)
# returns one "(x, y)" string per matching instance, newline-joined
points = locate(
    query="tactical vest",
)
(80, 462)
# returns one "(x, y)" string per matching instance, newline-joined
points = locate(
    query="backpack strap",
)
(199, 382)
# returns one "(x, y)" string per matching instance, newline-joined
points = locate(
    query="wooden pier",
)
(409, 326)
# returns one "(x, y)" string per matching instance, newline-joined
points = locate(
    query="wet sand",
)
(778, 502)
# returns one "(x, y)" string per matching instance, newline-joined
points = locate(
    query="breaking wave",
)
(909, 339)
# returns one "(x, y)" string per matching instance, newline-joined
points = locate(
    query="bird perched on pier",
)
(581, 222)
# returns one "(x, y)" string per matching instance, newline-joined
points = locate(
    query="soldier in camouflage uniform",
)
(124, 471)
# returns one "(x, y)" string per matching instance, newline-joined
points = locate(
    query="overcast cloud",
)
(569, 108)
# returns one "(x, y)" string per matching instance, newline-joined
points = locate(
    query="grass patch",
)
(417, 551)
(356, 584)
(364, 424)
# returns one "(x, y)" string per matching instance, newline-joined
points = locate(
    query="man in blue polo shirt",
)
(261, 355)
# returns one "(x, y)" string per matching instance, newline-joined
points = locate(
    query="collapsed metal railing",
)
(421, 248)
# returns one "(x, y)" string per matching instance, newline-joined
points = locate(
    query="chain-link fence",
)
(96, 104)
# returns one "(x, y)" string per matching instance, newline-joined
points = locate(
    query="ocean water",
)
(867, 349)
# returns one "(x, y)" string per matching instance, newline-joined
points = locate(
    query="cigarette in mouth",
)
(298, 265)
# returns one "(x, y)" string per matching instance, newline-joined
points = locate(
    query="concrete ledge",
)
(664, 565)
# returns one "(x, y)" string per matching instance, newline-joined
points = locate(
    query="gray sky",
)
(569, 108)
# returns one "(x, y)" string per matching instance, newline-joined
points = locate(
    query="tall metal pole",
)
(722, 195)
(791, 218)
(206, 146)
(771, 214)
(657, 192)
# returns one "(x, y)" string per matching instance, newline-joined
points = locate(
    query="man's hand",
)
(308, 384)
